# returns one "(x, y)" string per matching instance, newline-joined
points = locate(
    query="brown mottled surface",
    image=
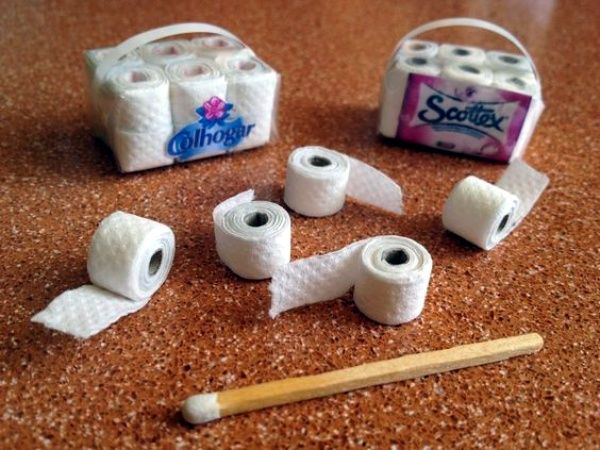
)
(207, 330)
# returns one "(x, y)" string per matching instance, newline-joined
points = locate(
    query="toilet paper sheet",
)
(318, 180)
(128, 260)
(390, 275)
(253, 238)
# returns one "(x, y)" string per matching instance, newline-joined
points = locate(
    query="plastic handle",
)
(152, 35)
(474, 23)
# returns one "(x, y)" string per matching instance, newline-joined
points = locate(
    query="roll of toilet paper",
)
(139, 100)
(253, 238)
(193, 82)
(318, 180)
(94, 57)
(469, 73)
(128, 260)
(394, 86)
(483, 213)
(141, 151)
(508, 62)
(214, 46)
(418, 48)
(515, 82)
(165, 52)
(461, 54)
(252, 89)
(390, 275)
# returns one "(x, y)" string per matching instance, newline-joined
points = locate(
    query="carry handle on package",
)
(470, 105)
(158, 101)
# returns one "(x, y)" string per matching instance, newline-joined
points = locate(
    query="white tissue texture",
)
(252, 88)
(318, 180)
(193, 82)
(125, 270)
(483, 213)
(387, 294)
(252, 252)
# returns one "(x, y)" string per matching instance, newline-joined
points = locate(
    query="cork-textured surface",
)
(207, 330)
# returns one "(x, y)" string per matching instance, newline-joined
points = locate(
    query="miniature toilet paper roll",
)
(483, 213)
(141, 151)
(318, 180)
(390, 275)
(461, 54)
(515, 82)
(418, 48)
(193, 82)
(508, 62)
(469, 73)
(252, 89)
(128, 260)
(166, 52)
(139, 99)
(394, 87)
(253, 238)
(214, 46)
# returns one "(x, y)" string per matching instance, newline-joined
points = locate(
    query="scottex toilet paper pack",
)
(156, 102)
(459, 98)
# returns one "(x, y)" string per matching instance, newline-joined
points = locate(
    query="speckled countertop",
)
(207, 330)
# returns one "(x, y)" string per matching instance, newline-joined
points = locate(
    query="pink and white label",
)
(462, 117)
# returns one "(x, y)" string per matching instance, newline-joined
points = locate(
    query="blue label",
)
(215, 130)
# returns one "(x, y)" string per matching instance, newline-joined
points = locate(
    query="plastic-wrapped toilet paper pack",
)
(156, 102)
(193, 82)
(390, 275)
(318, 180)
(252, 87)
(460, 98)
(128, 260)
(253, 238)
(483, 213)
(215, 46)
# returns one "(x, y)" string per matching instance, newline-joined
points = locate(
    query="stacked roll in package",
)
(460, 99)
(180, 100)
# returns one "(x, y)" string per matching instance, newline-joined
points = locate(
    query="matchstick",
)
(202, 408)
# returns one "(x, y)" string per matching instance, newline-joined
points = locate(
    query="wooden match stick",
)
(206, 407)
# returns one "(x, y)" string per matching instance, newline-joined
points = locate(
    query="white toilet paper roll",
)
(318, 180)
(390, 275)
(483, 213)
(165, 52)
(214, 46)
(461, 54)
(469, 73)
(193, 82)
(418, 48)
(252, 89)
(141, 151)
(94, 57)
(128, 260)
(508, 62)
(523, 83)
(253, 238)
(139, 100)
(394, 86)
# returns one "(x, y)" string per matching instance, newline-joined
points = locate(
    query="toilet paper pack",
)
(156, 100)
(459, 98)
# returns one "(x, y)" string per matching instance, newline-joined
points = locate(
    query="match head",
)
(201, 408)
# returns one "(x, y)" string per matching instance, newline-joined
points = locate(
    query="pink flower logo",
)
(214, 108)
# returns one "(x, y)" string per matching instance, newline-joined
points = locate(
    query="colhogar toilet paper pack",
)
(461, 99)
(156, 102)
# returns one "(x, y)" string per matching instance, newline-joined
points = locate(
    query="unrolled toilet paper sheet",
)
(128, 260)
